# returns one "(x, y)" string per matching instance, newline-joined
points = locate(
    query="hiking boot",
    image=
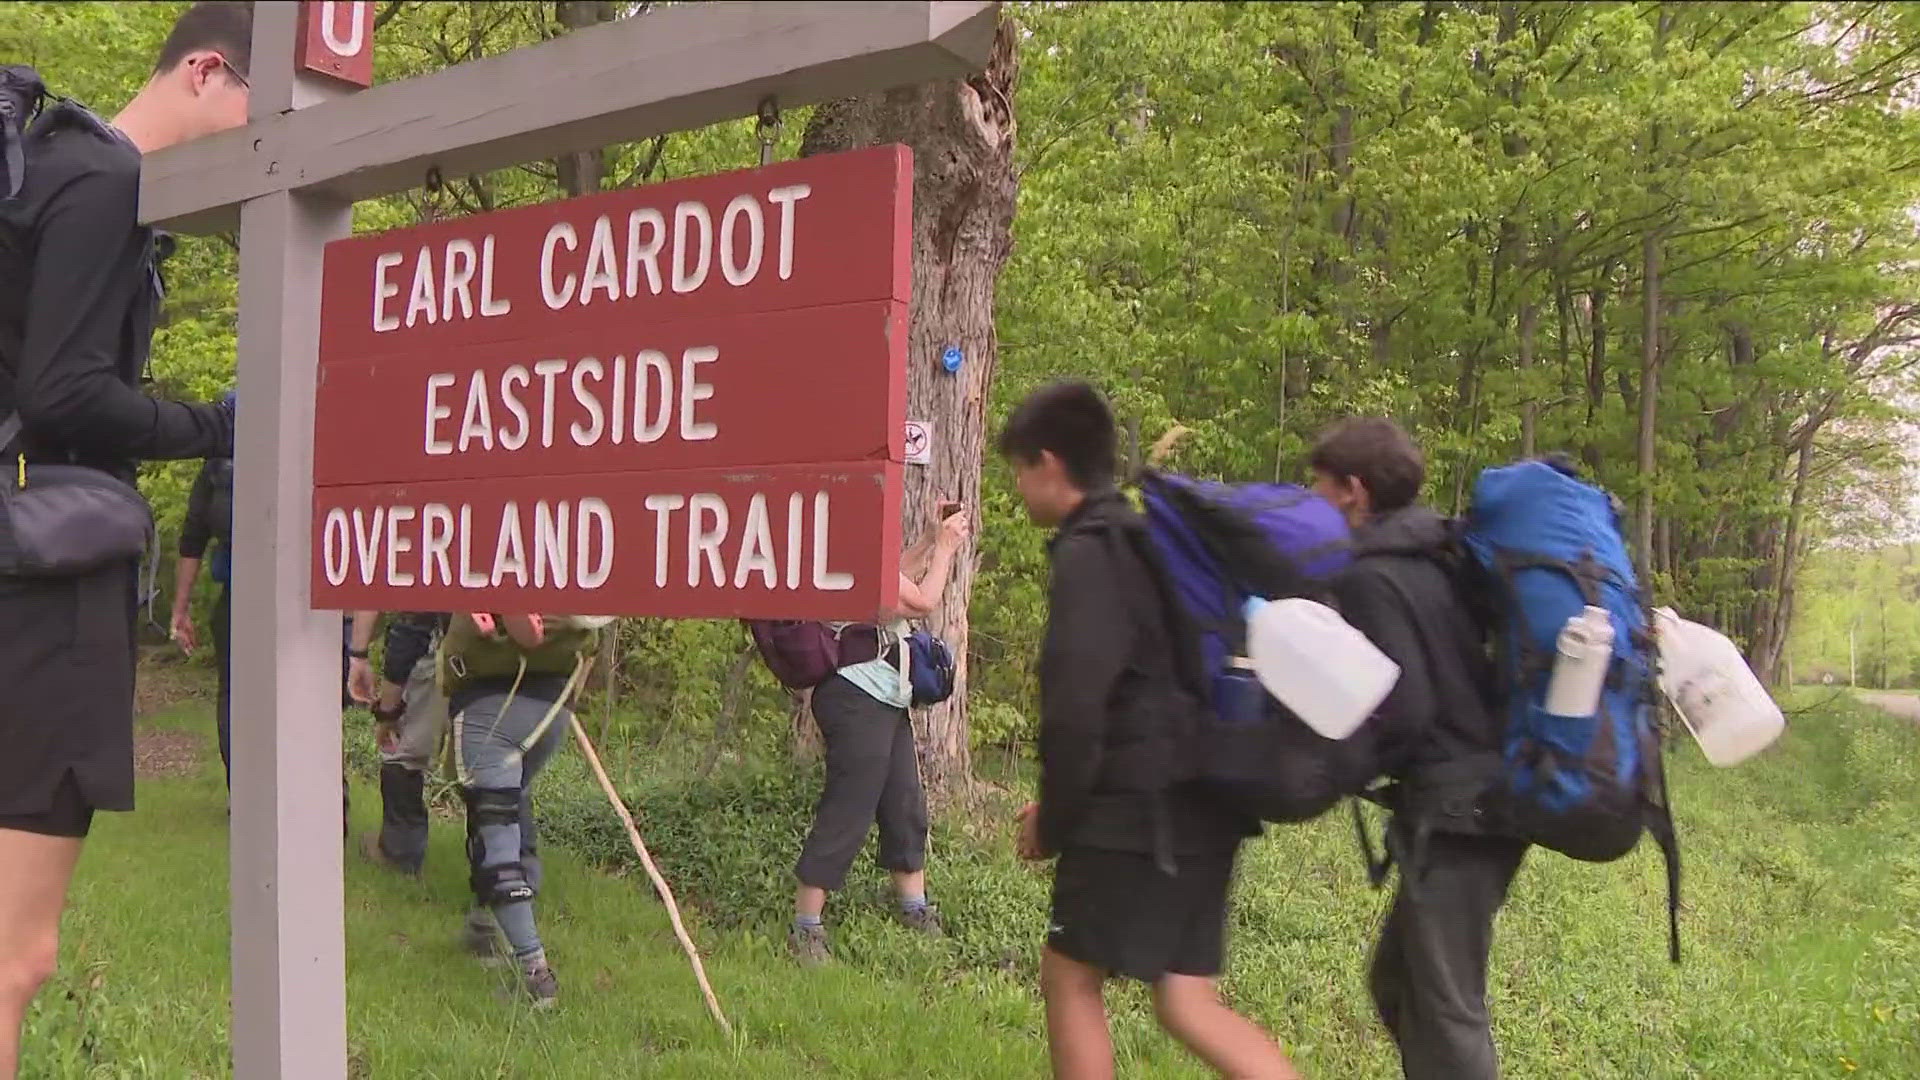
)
(370, 847)
(808, 944)
(541, 985)
(923, 920)
(480, 938)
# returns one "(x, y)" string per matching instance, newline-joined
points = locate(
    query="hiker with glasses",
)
(80, 293)
(873, 767)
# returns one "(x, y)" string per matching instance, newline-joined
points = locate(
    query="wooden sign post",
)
(289, 179)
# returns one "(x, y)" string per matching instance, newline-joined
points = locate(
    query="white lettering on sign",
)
(547, 545)
(356, 38)
(573, 544)
(641, 395)
(453, 280)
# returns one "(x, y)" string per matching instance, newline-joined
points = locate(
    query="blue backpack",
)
(1545, 545)
(1213, 546)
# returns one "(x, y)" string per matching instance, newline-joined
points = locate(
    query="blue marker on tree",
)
(951, 358)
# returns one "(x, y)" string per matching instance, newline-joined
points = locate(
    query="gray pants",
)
(501, 748)
(873, 777)
(1429, 977)
(404, 769)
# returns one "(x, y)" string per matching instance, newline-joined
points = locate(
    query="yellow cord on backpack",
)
(22, 459)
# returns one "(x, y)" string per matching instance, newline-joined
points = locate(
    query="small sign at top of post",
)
(335, 39)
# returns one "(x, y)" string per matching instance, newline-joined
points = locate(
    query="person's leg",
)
(39, 852)
(1442, 929)
(223, 655)
(403, 771)
(1078, 1041)
(858, 752)
(1190, 1009)
(1186, 996)
(494, 776)
(902, 817)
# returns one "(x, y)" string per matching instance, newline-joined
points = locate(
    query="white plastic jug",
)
(1317, 665)
(1583, 653)
(1730, 714)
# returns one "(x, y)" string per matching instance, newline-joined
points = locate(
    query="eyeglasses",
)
(235, 72)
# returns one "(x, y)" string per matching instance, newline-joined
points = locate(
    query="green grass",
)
(1802, 930)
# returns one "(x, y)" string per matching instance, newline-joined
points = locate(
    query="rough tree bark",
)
(961, 133)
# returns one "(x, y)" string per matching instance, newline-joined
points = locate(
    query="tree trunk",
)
(961, 133)
(582, 173)
(1530, 410)
(1649, 392)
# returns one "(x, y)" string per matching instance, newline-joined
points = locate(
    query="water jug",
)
(1702, 673)
(1317, 665)
(1582, 656)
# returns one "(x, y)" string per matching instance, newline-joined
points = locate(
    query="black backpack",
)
(21, 94)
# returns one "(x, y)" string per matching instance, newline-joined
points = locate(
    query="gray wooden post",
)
(289, 952)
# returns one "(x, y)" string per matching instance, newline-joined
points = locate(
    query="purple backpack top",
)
(1223, 543)
(803, 654)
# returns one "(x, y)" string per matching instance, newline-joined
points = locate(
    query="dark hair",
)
(1377, 452)
(224, 26)
(1071, 420)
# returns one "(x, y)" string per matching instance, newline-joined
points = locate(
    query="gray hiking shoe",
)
(925, 920)
(480, 938)
(808, 944)
(541, 985)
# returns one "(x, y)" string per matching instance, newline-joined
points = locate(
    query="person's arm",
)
(70, 384)
(1367, 599)
(918, 599)
(359, 668)
(1088, 639)
(196, 533)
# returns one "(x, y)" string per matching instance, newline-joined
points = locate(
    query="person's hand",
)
(1027, 843)
(386, 736)
(360, 680)
(954, 528)
(182, 632)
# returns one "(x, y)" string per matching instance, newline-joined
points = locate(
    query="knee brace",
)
(500, 883)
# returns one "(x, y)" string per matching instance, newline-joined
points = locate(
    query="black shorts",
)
(1117, 911)
(69, 815)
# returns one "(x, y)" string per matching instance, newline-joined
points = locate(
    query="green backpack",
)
(468, 652)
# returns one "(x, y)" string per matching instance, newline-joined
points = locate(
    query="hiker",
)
(509, 682)
(209, 523)
(1145, 862)
(1429, 971)
(410, 720)
(873, 767)
(79, 292)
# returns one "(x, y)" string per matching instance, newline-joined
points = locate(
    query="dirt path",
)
(1902, 705)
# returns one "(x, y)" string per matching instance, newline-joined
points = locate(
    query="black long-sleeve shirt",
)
(410, 637)
(209, 509)
(1398, 593)
(81, 291)
(1111, 688)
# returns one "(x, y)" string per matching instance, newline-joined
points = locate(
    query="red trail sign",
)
(680, 400)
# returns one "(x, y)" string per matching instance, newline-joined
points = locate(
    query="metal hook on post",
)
(768, 130)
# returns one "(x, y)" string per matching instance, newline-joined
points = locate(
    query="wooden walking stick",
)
(659, 883)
